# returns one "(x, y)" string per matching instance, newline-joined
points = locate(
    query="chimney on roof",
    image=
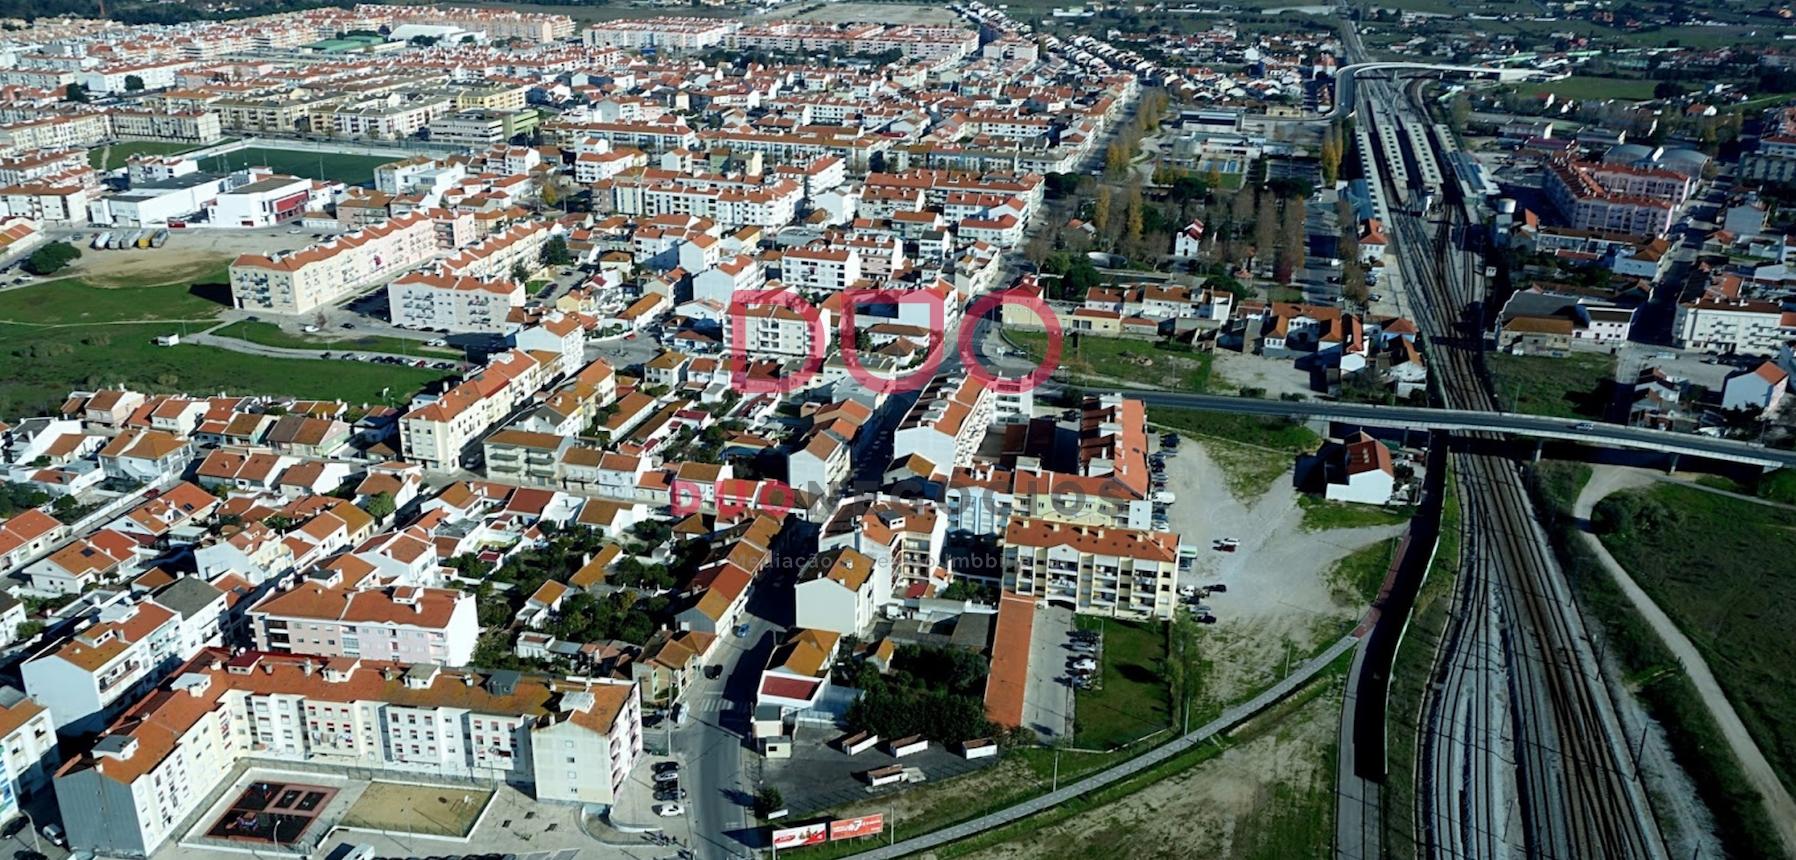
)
(307, 668)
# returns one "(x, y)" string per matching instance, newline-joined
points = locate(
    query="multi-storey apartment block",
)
(320, 275)
(1122, 573)
(566, 740)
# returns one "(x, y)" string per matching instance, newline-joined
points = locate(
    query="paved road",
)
(1229, 719)
(1778, 803)
(1465, 420)
(249, 348)
(1359, 825)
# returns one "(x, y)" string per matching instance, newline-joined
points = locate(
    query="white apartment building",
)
(437, 300)
(841, 590)
(765, 330)
(28, 738)
(947, 422)
(1121, 573)
(567, 741)
(669, 34)
(319, 275)
(812, 269)
(401, 624)
(434, 434)
(195, 126)
(1742, 326)
(518, 245)
(83, 679)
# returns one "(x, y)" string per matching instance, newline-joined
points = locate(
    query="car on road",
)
(1225, 544)
(1583, 425)
(670, 810)
(713, 672)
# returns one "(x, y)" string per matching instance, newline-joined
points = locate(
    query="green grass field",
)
(353, 169)
(1587, 88)
(1360, 573)
(1137, 361)
(39, 366)
(1275, 433)
(1721, 568)
(69, 334)
(114, 156)
(269, 334)
(1134, 701)
(1319, 514)
(1574, 386)
(70, 301)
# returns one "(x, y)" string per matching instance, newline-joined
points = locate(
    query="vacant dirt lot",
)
(1279, 599)
(408, 808)
(188, 253)
(1277, 783)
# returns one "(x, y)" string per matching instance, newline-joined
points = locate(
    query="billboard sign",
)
(798, 837)
(848, 828)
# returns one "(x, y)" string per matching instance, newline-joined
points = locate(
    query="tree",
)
(768, 801)
(1265, 227)
(133, 84)
(520, 272)
(51, 258)
(548, 191)
(75, 93)
(876, 163)
(1331, 159)
(1116, 158)
(1100, 211)
(380, 505)
(555, 252)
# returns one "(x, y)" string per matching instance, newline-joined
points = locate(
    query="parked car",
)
(665, 767)
(671, 794)
(668, 776)
(713, 672)
(741, 631)
(1206, 619)
(53, 833)
(670, 810)
(1219, 588)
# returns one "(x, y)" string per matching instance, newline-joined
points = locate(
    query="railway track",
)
(1521, 750)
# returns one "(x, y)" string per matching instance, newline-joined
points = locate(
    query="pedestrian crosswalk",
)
(708, 703)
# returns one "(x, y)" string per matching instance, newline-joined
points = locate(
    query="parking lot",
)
(1048, 700)
(818, 776)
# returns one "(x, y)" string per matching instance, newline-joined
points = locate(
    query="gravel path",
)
(1605, 480)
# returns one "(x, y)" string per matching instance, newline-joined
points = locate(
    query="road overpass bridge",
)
(1346, 76)
(1595, 434)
